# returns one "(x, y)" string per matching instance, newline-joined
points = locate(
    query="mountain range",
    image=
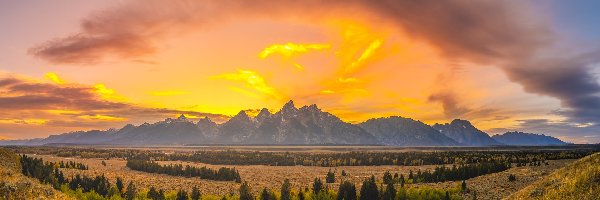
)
(306, 125)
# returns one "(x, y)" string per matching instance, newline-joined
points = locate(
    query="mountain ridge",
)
(290, 125)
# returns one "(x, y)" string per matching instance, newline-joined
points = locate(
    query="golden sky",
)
(116, 62)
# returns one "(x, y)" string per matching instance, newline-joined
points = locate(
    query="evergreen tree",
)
(369, 190)
(152, 193)
(264, 195)
(330, 177)
(390, 192)
(161, 194)
(182, 195)
(300, 195)
(387, 178)
(344, 173)
(512, 177)
(317, 185)
(120, 185)
(195, 193)
(286, 190)
(447, 197)
(131, 191)
(402, 180)
(245, 193)
(347, 191)
(463, 187)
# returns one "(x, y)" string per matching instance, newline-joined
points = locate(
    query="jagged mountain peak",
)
(205, 120)
(289, 107)
(465, 133)
(242, 115)
(263, 115)
(311, 108)
(182, 117)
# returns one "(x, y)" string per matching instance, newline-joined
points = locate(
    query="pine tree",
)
(182, 195)
(369, 190)
(463, 187)
(195, 193)
(264, 195)
(131, 191)
(161, 194)
(286, 190)
(447, 197)
(245, 193)
(330, 177)
(317, 185)
(300, 195)
(347, 191)
(402, 180)
(120, 185)
(152, 193)
(390, 192)
(387, 178)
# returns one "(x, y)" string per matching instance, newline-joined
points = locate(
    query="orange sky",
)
(355, 66)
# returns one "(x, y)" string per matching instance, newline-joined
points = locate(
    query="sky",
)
(530, 66)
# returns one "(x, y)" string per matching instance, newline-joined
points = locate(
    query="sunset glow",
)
(94, 68)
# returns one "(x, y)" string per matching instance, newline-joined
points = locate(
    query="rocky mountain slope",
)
(399, 131)
(307, 125)
(465, 133)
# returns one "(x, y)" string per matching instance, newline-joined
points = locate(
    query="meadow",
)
(533, 165)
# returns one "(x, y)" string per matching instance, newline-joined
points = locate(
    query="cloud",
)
(289, 49)
(54, 78)
(498, 33)
(168, 93)
(29, 102)
(450, 104)
(567, 78)
(252, 80)
(134, 29)
(366, 54)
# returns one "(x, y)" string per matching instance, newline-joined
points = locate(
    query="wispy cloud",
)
(251, 80)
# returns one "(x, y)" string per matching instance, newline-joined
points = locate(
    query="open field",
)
(492, 186)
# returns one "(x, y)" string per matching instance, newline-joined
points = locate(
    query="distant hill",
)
(14, 185)
(527, 139)
(399, 131)
(465, 133)
(580, 180)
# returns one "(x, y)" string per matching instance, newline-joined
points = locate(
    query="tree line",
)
(72, 165)
(361, 158)
(462, 172)
(99, 187)
(222, 174)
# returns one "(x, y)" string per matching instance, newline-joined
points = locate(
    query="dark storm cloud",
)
(569, 79)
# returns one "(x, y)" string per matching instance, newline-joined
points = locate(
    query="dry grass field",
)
(497, 186)
(492, 186)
